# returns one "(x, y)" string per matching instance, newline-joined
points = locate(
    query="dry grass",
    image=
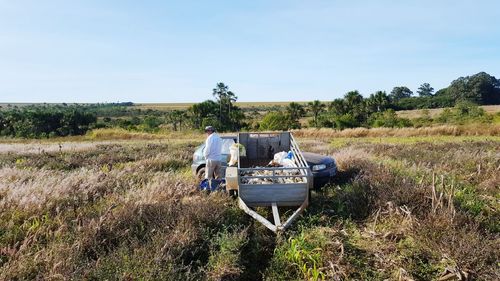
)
(122, 134)
(172, 106)
(434, 112)
(38, 147)
(108, 135)
(106, 212)
(445, 130)
(130, 210)
(394, 225)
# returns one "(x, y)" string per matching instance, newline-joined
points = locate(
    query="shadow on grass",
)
(258, 252)
(345, 198)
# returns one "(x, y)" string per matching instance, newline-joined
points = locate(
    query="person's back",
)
(213, 147)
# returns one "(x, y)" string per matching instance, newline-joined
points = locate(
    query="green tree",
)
(228, 116)
(211, 121)
(399, 93)
(274, 121)
(353, 99)
(425, 90)
(338, 107)
(231, 98)
(45, 121)
(236, 118)
(220, 92)
(176, 118)
(316, 107)
(480, 88)
(295, 111)
(378, 102)
(356, 106)
(198, 111)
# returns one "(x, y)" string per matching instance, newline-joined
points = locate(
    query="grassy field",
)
(412, 114)
(12, 104)
(172, 106)
(120, 206)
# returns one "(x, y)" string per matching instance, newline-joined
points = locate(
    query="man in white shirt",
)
(212, 154)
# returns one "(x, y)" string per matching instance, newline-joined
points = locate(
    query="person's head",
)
(209, 130)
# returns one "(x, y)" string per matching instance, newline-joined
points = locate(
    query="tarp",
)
(216, 185)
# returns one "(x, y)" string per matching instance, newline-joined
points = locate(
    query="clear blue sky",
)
(176, 51)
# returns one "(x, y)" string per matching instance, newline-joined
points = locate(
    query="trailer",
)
(258, 185)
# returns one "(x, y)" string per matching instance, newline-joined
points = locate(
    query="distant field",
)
(171, 106)
(6, 105)
(411, 114)
(166, 106)
(21, 104)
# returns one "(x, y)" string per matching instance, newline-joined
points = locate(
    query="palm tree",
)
(316, 107)
(338, 107)
(378, 101)
(220, 94)
(231, 97)
(176, 117)
(295, 111)
(195, 111)
(353, 99)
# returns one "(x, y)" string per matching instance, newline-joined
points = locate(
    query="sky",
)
(177, 51)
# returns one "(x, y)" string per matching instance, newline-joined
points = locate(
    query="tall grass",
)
(445, 130)
(122, 134)
(120, 211)
(392, 221)
(131, 210)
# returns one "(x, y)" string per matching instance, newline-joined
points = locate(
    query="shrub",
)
(274, 121)
(464, 112)
(345, 121)
(389, 119)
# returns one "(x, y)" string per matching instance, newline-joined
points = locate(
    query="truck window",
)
(226, 144)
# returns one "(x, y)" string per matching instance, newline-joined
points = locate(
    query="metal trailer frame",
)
(274, 194)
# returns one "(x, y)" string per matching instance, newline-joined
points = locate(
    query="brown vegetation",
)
(130, 210)
(444, 130)
(434, 112)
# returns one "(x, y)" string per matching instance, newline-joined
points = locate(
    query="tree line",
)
(480, 88)
(45, 121)
(352, 110)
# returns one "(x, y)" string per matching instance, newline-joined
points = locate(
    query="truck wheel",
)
(201, 173)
